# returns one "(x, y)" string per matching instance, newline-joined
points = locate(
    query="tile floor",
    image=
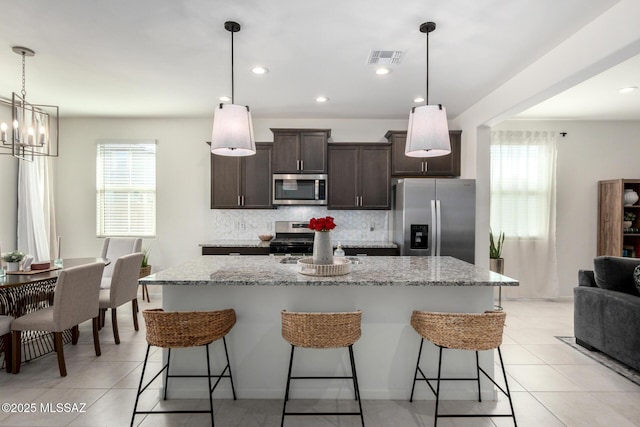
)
(552, 385)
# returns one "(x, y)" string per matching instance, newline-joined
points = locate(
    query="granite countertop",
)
(260, 244)
(256, 243)
(370, 271)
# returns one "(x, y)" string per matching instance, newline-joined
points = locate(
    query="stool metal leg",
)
(166, 376)
(506, 385)
(435, 417)
(478, 376)
(286, 392)
(356, 388)
(144, 367)
(233, 390)
(415, 375)
(209, 380)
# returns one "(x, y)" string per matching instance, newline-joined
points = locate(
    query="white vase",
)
(322, 248)
(630, 197)
(13, 266)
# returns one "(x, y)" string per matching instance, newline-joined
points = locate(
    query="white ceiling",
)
(155, 58)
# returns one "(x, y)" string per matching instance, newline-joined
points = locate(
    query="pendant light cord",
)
(24, 90)
(427, 94)
(232, 86)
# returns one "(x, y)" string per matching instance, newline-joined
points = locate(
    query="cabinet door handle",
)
(239, 204)
(421, 166)
(424, 166)
(301, 165)
(357, 201)
(242, 198)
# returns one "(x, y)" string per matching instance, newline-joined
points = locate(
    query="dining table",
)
(23, 292)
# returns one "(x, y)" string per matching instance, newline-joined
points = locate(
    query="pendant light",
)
(232, 133)
(33, 129)
(428, 132)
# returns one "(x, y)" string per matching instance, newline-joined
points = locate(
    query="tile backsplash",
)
(247, 224)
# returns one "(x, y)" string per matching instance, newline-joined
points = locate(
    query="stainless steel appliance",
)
(299, 189)
(435, 217)
(292, 237)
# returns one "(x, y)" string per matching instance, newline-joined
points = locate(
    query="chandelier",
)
(33, 129)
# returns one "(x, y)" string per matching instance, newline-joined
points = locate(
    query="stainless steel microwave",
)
(299, 189)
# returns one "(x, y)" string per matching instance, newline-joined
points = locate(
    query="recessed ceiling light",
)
(259, 70)
(418, 99)
(628, 89)
(321, 99)
(383, 71)
(224, 99)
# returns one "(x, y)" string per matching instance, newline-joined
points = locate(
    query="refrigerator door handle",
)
(434, 225)
(438, 227)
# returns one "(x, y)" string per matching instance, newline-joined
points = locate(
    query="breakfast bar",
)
(386, 289)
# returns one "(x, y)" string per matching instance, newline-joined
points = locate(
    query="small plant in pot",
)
(629, 217)
(145, 270)
(13, 259)
(496, 262)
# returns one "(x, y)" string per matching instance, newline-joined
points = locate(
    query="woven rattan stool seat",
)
(465, 331)
(321, 330)
(179, 329)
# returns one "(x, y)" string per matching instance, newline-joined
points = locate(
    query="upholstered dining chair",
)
(114, 248)
(5, 335)
(75, 300)
(124, 288)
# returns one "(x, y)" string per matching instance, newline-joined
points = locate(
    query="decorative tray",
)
(32, 272)
(338, 268)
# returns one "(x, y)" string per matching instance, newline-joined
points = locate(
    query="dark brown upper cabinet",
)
(242, 182)
(443, 166)
(359, 176)
(300, 150)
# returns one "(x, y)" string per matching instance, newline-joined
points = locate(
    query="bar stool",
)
(463, 331)
(322, 330)
(5, 335)
(183, 329)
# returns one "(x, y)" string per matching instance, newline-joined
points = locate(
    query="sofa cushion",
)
(636, 277)
(616, 273)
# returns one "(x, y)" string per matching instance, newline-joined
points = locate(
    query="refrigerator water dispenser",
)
(419, 236)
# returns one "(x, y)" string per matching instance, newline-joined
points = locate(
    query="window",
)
(522, 183)
(126, 188)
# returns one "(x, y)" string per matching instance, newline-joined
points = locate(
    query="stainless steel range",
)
(292, 237)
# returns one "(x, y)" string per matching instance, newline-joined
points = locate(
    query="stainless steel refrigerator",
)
(435, 217)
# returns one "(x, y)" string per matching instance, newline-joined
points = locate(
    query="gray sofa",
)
(607, 309)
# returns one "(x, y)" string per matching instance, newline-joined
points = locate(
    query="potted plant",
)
(13, 260)
(629, 217)
(496, 262)
(145, 270)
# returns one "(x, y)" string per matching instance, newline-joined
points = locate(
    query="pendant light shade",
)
(428, 131)
(232, 133)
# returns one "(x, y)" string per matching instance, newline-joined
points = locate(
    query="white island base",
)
(385, 354)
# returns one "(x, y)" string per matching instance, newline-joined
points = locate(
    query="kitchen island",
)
(386, 289)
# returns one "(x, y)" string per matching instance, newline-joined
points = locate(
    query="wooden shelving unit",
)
(613, 238)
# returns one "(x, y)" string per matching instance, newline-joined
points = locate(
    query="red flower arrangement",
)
(322, 224)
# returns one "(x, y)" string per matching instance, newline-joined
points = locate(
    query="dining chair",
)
(5, 334)
(75, 300)
(124, 288)
(112, 249)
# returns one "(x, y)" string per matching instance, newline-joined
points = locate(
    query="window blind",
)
(126, 189)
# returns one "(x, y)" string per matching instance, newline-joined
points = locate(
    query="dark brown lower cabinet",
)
(359, 176)
(242, 182)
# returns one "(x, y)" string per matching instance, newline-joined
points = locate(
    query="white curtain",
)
(36, 220)
(523, 206)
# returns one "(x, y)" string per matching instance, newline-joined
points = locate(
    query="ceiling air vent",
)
(384, 57)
